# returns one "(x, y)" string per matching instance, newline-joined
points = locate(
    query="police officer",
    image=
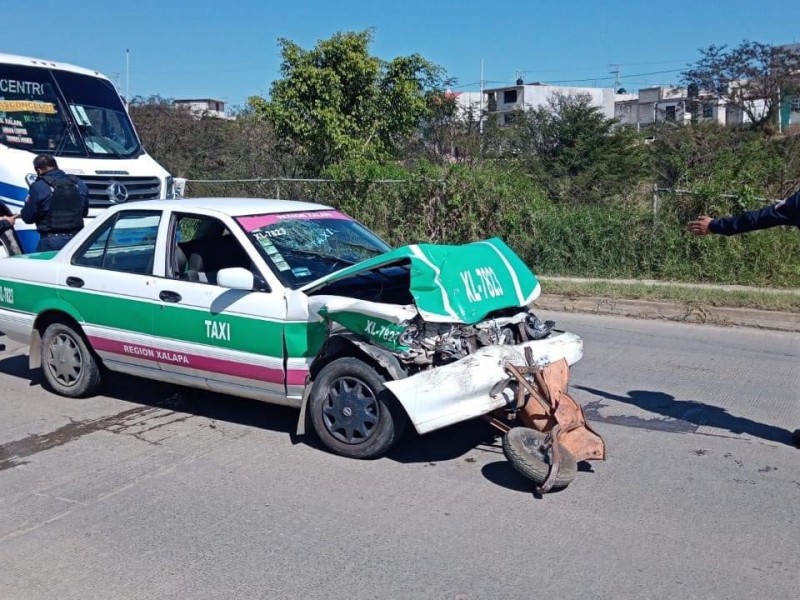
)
(57, 203)
(785, 212)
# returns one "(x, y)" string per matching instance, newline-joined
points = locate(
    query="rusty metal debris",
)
(541, 402)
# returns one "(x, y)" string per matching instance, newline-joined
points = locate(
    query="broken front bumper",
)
(462, 390)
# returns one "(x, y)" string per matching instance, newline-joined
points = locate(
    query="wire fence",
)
(323, 190)
(308, 189)
(659, 191)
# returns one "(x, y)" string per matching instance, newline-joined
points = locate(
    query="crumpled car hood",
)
(455, 284)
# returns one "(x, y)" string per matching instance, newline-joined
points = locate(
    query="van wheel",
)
(69, 366)
(352, 412)
(5, 247)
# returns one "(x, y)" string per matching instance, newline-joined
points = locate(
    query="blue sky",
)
(228, 49)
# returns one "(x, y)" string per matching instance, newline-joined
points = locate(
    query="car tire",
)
(69, 366)
(352, 412)
(524, 449)
(5, 247)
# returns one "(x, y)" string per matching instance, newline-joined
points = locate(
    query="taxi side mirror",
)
(236, 278)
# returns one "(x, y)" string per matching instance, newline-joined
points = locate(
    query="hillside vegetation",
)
(569, 189)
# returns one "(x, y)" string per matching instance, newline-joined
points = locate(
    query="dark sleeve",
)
(790, 208)
(763, 218)
(4, 225)
(30, 211)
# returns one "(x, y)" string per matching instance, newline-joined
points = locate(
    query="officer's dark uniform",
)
(56, 224)
(785, 212)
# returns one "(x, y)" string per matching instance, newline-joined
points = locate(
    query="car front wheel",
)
(69, 367)
(352, 412)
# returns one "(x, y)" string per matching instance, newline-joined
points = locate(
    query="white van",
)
(76, 115)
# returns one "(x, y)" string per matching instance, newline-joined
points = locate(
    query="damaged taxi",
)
(287, 302)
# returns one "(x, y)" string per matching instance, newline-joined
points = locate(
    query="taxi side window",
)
(203, 245)
(127, 244)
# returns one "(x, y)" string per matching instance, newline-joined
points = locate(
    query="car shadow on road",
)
(682, 415)
(450, 443)
(17, 366)
(447, 444)
(201, 403)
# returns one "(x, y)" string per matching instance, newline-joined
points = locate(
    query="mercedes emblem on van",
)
(117, 193)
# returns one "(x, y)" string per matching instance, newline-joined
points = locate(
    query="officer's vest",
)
(66, 206)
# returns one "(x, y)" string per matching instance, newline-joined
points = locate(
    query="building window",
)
(794, 104)
(509, 118)
(509, 96)
(492, 102)
(708, 111)
(669, 113)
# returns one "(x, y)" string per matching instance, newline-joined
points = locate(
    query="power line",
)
(621, 77)
(639, 64)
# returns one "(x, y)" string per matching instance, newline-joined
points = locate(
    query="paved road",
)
(157, 492)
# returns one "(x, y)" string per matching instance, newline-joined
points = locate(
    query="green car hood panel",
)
(456, 284)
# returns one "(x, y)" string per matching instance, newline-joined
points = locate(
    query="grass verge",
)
(772, 299)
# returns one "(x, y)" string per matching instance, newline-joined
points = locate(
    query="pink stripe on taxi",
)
(251, 224)
(202, 363)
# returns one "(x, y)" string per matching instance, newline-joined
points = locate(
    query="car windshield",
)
(303, 246)
(99, 114)
(63, 113)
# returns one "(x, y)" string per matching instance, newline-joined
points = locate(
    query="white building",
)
(669, 103)
(526, 96)
(468, 104)
(203, 107)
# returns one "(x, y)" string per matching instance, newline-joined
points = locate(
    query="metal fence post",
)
(655, 200)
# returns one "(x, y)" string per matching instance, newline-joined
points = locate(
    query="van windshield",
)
(34, 117)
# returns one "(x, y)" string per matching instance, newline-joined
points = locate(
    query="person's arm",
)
(6, 223)
(790, 208)
(762, 218)
(30, 211)
(785, 212)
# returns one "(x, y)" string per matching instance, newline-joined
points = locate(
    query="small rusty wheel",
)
(525, 449)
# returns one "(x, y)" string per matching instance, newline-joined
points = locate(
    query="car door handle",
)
(168, 296)
(74, 282)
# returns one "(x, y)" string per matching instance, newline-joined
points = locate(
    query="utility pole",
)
(614, 69)
(127, 76)
(480, 112)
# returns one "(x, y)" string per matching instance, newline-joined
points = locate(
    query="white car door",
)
(108, 280)
(232, 339)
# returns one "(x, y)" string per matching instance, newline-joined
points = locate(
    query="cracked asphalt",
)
(154, 491)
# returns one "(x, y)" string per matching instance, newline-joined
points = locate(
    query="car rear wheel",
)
(352, 412)
(69, 366)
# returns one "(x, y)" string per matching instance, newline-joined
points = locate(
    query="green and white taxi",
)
(287, 302)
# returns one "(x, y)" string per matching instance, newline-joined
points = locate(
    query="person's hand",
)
(700, 226)
(10, 219)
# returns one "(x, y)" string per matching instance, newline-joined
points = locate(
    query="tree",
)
(576, 153)
(207, 147)
(753, 77)
(338, 102)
